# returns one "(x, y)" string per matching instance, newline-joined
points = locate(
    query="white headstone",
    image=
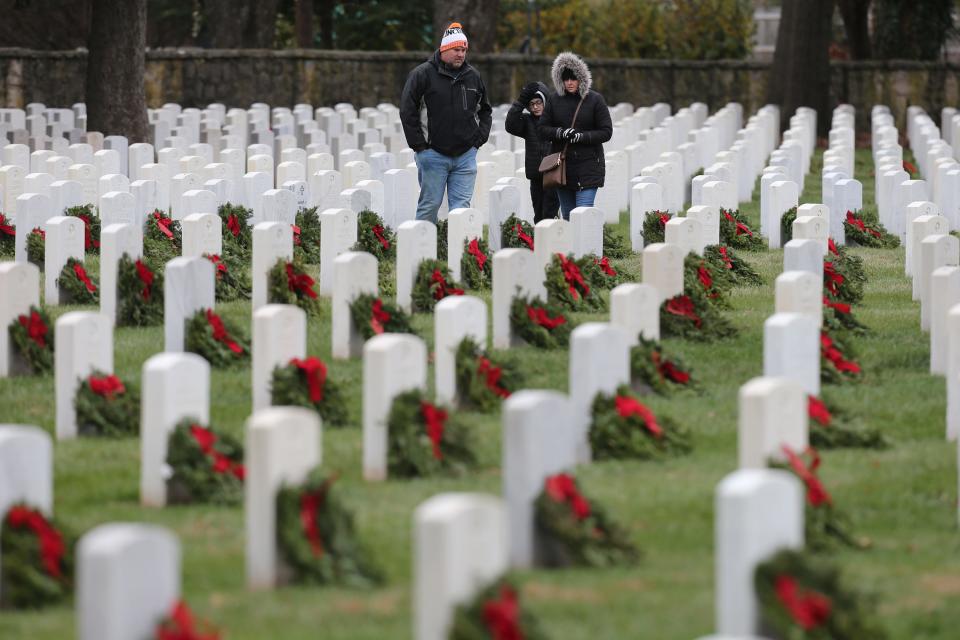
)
(686, 233)
(279, 335)
(202, 233)
(513, 269)
(188, 287)
(115, 241)
(84, 343)
(635, 308)
(462, 225)
(271, 242)
(354, 274)
(416, 242)
(772, 413)
(663, 269)
(791, 349)
(338, 229)
(587, 226)
(455, 318)
(64, 241)
(19, 290)
(799, 292)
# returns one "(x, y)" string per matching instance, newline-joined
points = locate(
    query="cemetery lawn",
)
(904, 499)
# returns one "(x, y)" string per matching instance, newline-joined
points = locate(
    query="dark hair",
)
(568, 74)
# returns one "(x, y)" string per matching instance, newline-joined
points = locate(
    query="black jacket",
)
(585, 164)
(445, 110)
(524, 125)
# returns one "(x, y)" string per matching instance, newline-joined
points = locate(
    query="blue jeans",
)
(570, 199)
(436, 173)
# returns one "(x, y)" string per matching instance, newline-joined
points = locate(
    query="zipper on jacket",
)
(463, 91)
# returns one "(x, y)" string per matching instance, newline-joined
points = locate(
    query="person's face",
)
(454, 57)
(572, 85)
(536, 107)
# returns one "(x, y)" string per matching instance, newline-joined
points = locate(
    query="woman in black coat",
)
(584, 159)
(522, 120)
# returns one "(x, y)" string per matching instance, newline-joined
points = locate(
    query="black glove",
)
(561, 133)
(573, 136)
(527, 93)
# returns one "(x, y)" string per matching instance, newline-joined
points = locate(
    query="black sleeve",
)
(410, 110)
(485, 115)
(514, 123)
(546, 129)
(602, 124)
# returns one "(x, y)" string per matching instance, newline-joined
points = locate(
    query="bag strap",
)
(563, 154)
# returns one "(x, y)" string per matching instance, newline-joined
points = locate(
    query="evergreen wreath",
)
(481, 382)
(442, 238)
(653, 371)
(91, 226)
(735, 233)
(105, 406)
(77, 285)
(803, 596)
(516, 233)
(375, 237)
(614, 245)
(8, 237)
(786, 225)
(32, 337)
(495, 612)
(837, 316)
(572, 530)
(36, 247)
(713, 279)
(850, 267)
(221, 343)
(433, 283)
(372, 316)
(837, 359)
(231, 277)
(567, 286)
(540, 324)
(424, 439)
(476, 264)
(316, 536)
(304, 383)
(734, 265)
(162, 238)
(600, 274)
(863, 232)
(833, 428)
(839, 284)
(691, 315)
(36, 559)
(824, 524)
(623, 427)
(237, 222)
(289, 283)
(306, 236)
(180, 625)
(387, 279)
(206, 466)
(139, 293)
(655, 226)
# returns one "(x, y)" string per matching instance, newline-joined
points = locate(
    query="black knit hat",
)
(568, 74)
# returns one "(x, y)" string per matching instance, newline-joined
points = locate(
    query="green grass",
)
(904, 499)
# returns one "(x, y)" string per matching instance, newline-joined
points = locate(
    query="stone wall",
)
(241, 77)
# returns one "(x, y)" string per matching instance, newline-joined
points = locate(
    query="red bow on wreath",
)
(818, 412)
(296, 234)
(627, 406)
(832, 246)
(857, 222)
(52, 547)
(835, 356)
(205, 439)
(310, 503)
(107, 386)
(442, 289)
(683, 307)
(838, 306)
(563, 488)
(233, 224)
(88, 240)
(816, 492)
(664, 219)
(604, 264)
(6, 228)
(163, 224)
(82, 276)
(668, 370)
(726, 259)
(741, 228)
(703, 274)
(808, 609)
(300, 283)
(181, 626)
(316, 373)
(219, 263)
(523, 237)
(40, 232)
(474, 249)
(573, 277)
(36, 328)
(502, 617)
(539, 316)
(491, 377)
(833, 279)
(378, 232)
(146, 277)
(435, 419)
(220, 332)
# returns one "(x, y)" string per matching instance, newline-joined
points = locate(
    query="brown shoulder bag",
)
(553, 167)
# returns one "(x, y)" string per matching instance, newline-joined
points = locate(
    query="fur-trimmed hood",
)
(570, 60)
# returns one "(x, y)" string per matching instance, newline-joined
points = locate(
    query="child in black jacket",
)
(523, 124)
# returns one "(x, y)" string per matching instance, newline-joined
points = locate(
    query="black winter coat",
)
(585, 164)
(445, 110)
(525, 125)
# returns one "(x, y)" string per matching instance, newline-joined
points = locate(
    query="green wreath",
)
(516, 233)
(306, 243)
(476, 264)
(713, 279)
(36, 559)
(540, 324)
(162, 238)
(842, 281)
(289, 283)
(732, 264)
(139, 293)
(573, 530)
(600, 273)
(623, 427)
(231, 277)
(838, 316)
(217, 340)
(304, 383)
(36, 247)
(802, 596)
(834, 428)
(786, 225)
(424, 439)
(495, 608)
(8, 237)
(433, 283)
(690, 315)
(372, 316)
(77, 286)
(375, 237)
(837, 358)
(614, 245)
(737, 234)
(865, 230)
(206, 466)
(32, 336)
(569, 287)
(653, 371)
(846, 263)
(483, 383)
(237, 224)
(106, 406)
(442, 237)
(316, 536)
(655, 226)
(91, 226)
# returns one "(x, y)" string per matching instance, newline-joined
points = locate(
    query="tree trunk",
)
(800, 75)
(325, 15)
(116, 99)
(304, 20)
(478, 17)
(262, 24)
(224, 23)
(856, 15)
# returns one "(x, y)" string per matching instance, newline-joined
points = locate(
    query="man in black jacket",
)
(533, 98)
(446, 117)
